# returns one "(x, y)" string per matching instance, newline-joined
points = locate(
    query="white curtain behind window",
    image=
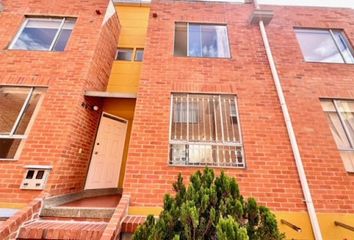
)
(222, 42)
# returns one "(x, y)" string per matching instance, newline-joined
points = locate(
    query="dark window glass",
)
(124, 54)
(30, 174)
(139, 55)
(40, 174)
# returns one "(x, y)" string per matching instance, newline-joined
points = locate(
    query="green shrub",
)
(209, 208)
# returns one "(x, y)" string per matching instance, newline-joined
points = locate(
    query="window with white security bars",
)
(205, 130)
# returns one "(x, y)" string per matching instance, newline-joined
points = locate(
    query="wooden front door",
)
(107, 154)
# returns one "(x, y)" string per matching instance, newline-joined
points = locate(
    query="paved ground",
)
(102, 201)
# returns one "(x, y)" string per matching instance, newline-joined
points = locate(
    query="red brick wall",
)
(270, 175)
(304, 84)
(62, 126)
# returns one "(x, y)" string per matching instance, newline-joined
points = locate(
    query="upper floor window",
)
(124, 54)
(340, 115)
(47, 34)
(127, 54)
(17, 108)
(201, 40)
(139, 55)
(325, 46)
(205, 131)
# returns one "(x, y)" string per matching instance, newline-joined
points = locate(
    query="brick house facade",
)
(65, 131)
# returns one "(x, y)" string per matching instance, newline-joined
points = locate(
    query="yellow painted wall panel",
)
(125, 75)
(300, 219)
(332, 232)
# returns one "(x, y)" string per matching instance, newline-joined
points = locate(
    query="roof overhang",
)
(109, 94)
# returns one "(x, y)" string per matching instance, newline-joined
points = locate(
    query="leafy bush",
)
(209, 208)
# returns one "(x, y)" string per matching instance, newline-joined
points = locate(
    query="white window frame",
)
(315, 30)
(55, 39)
(23, 137)
(235, 144)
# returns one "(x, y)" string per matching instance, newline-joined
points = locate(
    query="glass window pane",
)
(47, 23)
(12, 100)
(179, 117)
(35, 39)
(139, 55)
(230, 121)
(344, 46)
(8, 147)
(178, 154)
(328, 106)
(37, 34)
(348, 160)
(337, 130)
(62, 40)
(318, 46)
(200, 154)
(180, 39)
(194, 41)
(214, 41)
(124, 54)
(27, 115)
(346, 109)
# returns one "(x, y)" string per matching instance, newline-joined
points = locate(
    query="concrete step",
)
(53, 229)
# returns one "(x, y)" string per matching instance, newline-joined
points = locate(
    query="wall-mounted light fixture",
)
(296, 228)
(90, 107)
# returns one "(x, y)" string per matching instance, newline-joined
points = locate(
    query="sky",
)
(322, 3)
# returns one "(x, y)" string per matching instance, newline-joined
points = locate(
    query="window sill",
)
(332, 63)
(209, 166)
(192, 57)
(8, 159)
(24, 50)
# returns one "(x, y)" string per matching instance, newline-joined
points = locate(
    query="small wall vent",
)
(36, 177)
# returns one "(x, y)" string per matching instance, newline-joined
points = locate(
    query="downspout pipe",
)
(295, 148)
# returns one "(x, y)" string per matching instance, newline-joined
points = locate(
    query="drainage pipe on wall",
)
(295, 148)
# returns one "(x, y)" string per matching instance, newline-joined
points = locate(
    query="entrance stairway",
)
(83, 215)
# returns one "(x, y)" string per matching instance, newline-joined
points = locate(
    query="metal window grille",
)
(205, 130)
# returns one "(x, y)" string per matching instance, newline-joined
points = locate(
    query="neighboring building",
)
(98, 98)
